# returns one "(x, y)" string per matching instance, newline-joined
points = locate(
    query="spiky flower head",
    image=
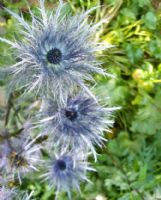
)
(65, 171)
(20, 155)
(80, 124)
(57, 53)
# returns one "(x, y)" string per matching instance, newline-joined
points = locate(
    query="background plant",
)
(128, 167)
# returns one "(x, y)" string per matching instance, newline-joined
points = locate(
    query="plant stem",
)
(9, 106)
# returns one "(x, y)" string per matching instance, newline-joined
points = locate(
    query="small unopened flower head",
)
(64, 172)
(80, 124)
(57, 54)
(20, 155)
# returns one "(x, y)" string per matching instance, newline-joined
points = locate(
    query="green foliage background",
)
(129, 165)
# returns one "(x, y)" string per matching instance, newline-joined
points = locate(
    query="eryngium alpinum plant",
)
(56, 55)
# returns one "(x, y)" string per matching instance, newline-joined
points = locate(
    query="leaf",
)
(134, 52)
(155, 48)
(143, 172)
(143, 3)
(150, 20)
(147, 120)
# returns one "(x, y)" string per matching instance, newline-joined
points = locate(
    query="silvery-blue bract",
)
(7, 194)
(24, 196)
(65, 171)
(56, 54)
(80, 124)
(13, 194)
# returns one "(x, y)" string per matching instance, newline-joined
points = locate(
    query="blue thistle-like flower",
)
(19, 156)
(80, 124)
(57, 53)
(64, 172)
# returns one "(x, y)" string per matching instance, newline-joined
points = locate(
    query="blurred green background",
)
(129, 165)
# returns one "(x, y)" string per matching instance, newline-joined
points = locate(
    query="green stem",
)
(9, 106)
